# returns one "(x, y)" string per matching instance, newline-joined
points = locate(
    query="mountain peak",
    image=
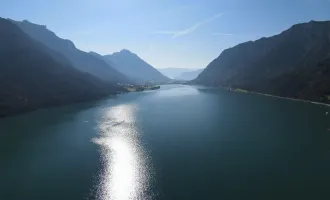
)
(93, 52)
(28, 23)
(135, 67)
(312, 23)
(80, 59)
(125, 51)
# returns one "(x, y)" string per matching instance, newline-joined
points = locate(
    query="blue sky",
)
(166, 33)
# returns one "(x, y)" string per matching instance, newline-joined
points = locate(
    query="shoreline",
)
(267, 95)
(275, 96)
(71, 103)
(141, 88)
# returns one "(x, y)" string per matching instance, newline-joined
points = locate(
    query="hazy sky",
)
(166, 33)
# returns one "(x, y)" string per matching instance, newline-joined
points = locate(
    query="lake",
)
(179, 142)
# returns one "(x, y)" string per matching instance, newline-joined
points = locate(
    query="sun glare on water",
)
(125, 172)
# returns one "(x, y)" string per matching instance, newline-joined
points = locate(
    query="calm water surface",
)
(180, 142)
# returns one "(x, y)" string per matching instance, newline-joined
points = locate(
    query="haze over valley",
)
(164, 100)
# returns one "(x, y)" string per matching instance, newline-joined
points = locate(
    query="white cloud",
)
(190, 29)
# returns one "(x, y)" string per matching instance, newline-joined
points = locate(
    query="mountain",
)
(34, 76)
(135, 68)
(181, 73)
(108, 61)
(310, 83)
(189, 75)
(294, 63)
(80, 59)
(97, 55)
(173, 72)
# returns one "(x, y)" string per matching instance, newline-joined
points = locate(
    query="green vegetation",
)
(327, 97)
(241, 90)
(138, 88)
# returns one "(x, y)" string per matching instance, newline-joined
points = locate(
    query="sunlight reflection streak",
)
(125, 173)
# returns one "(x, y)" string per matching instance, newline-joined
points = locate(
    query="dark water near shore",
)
(179, 142)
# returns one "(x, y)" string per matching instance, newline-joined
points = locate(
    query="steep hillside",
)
(80, 59)
(134, 67)
(33, 76)
(288, 64)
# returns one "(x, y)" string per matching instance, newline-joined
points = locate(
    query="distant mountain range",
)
(38, 69)
(174, 72)
(134, 67)
(181, 73)
(81, 60)
(295, 63)
(190, 75)
(33, 76)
